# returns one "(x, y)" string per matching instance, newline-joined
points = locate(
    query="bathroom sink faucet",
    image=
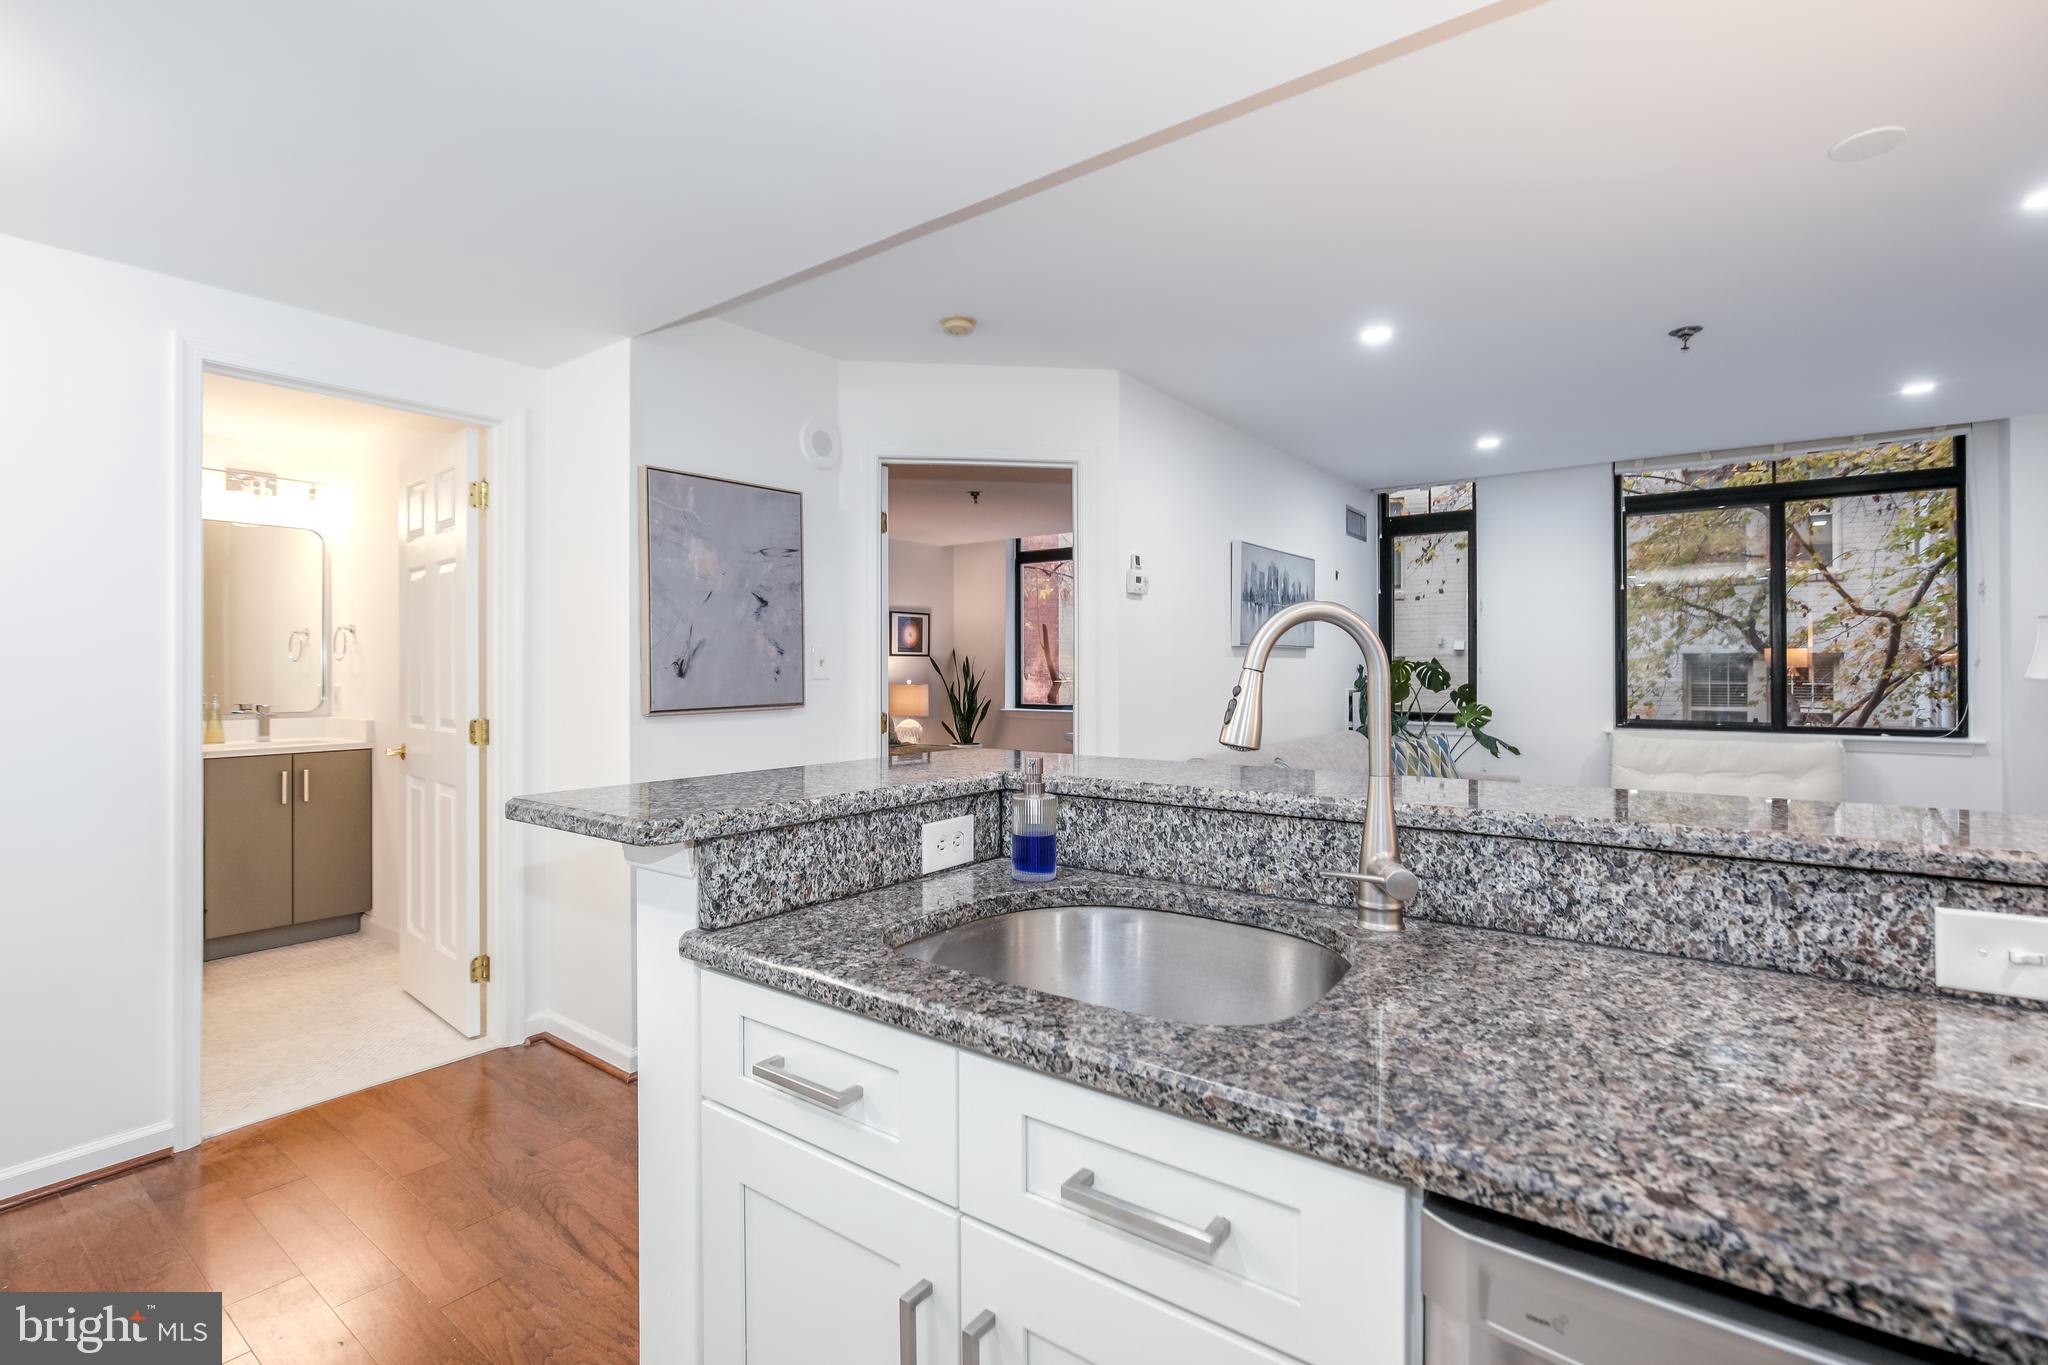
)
(1381, 887)
(262, 714)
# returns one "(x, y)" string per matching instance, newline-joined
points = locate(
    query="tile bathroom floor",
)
(294, 1026)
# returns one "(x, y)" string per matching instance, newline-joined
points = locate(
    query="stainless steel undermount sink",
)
(1152, 962)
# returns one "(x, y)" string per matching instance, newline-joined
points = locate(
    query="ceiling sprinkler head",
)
(1685, 335)
(975, 493)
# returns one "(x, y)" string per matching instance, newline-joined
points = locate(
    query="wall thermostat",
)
(1135, 579)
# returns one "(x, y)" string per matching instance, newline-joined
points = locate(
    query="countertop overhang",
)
(1867, 1153)
(1980, 845)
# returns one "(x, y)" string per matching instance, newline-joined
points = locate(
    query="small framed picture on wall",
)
(910, 634)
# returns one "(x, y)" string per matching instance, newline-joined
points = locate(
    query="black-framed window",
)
(1811, 592)
(1428, 558)
(1042, 648)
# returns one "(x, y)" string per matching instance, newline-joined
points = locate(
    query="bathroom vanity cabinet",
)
(287, 848)
(870, 1194)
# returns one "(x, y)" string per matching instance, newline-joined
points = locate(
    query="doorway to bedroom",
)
(979, 643)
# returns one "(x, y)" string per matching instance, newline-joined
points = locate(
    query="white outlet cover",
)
(820, 669)
(1980, 950)
(948, 843)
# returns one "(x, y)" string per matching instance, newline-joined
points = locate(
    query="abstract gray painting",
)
(724, 593)
(1262, 581)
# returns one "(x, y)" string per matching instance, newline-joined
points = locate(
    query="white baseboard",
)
(606, 1049)
(377, 928)
(84, 1159)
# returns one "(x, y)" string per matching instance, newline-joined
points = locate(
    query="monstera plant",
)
(1430, 736)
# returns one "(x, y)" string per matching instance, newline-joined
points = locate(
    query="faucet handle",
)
(1394, 878)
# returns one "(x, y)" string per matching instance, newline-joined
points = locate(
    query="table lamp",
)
(909, 701)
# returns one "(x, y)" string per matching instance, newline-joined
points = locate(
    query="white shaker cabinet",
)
(809, 1260)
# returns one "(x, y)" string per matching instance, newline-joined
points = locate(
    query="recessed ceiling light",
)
(2037, 201)
(1488, 443)
(1379, 334)
(1915, 388)
(1867, 144)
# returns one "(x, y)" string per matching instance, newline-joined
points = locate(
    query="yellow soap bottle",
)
(214, 733)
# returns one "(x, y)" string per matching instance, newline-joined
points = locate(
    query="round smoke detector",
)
(959, 325)
(1867, 144)
(819, 442)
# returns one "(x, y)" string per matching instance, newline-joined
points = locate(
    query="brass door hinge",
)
(480, 494)
(479, 732)
(480, 968)
(885, 523)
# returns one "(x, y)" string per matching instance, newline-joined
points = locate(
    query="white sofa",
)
(1798, 768)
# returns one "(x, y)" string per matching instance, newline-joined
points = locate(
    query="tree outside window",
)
(1814, 591)
(1044, 647)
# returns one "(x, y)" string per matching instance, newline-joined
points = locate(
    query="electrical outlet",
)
(1979, 950)
(948, 843)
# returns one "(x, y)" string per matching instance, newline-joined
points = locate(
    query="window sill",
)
(1038, 710)
(1855, 744)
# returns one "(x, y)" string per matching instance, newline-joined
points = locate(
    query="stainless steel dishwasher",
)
(1497, 1293)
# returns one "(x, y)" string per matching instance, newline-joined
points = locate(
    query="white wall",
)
(2025, 573)
(966, 413)
(1546, 635)
(716, 399)
(92, 805)
(1546, 622)
(1186, 486)
(579, 893)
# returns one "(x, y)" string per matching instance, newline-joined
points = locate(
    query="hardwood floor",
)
(483, 1213)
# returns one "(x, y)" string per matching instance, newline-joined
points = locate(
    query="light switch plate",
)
(1979, 950)
(821, 668)
(948, 843)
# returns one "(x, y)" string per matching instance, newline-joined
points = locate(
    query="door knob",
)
(398, 753)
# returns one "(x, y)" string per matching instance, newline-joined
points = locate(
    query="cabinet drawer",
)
(809, 1259)
(901, 1125)
(1047, 1309)
(1313, 1261)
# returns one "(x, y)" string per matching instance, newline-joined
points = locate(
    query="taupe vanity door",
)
(249, 807)
(330, 837)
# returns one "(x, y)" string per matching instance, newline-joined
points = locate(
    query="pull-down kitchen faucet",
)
(1382, 886)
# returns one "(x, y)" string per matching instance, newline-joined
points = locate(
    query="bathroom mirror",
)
(266, 617)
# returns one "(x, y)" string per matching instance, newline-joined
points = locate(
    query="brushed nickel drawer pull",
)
(970, 1337)
(770, 1069)
(284, 786)
(1201, 1243)
(906, 1321)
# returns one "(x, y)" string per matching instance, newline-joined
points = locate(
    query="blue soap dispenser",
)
(1034, 815)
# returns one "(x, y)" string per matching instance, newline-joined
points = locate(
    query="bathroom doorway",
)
(343, 745)
(979, 574)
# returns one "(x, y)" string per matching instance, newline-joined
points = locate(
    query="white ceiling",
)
(1533, 206)
(534, 179)
(930, 504)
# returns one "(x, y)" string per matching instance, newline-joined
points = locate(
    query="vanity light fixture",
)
(2037, 202)
(1487, 443)
(1916, 388)
(1378, 334)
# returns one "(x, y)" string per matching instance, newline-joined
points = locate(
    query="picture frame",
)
(910, 634)
(1262, 581)
(721, 594)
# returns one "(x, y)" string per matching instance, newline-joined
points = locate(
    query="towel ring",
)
(343, 637)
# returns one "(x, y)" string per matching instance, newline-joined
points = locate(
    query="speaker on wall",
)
(820, 444)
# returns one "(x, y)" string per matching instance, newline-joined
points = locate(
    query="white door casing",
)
(441, 928)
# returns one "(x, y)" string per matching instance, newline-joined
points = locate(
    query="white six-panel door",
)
(442, 926)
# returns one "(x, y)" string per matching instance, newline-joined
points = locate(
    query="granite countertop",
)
(1984, 845)
(1869, 1153)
